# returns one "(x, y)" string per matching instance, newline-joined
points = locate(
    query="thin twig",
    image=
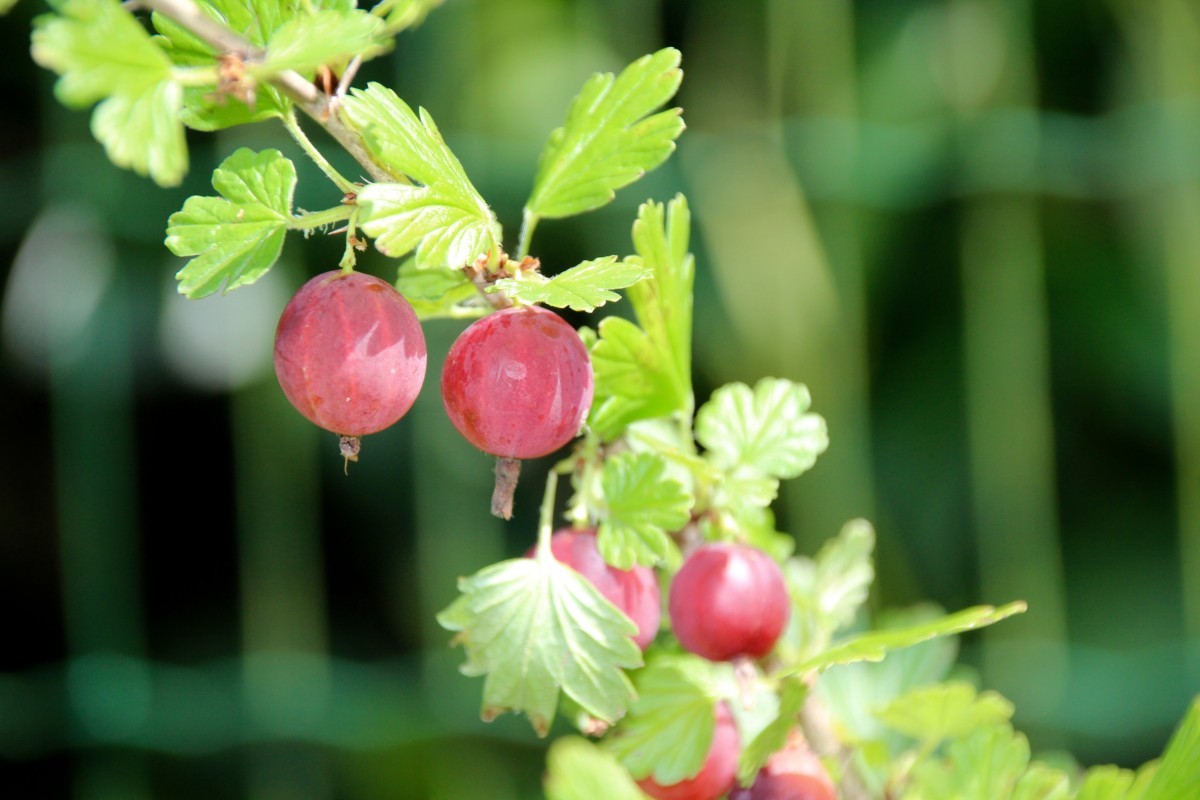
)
(306, 96)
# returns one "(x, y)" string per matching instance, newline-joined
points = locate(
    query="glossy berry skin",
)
(719, 772)
(793, 773)
(349, 353)
(634, 591)
(728, 601)
(518, 383)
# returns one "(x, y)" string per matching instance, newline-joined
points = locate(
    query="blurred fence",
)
(972, 227)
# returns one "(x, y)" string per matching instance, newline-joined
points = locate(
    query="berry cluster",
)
(350, 356)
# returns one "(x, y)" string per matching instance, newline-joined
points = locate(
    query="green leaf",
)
(576, 769)
(236, 237)
(440, 293)
(766, 429)
(1178, 774)
(144, 133)
(535, 627)
(1113, 783)
(99, 50)
(944, 711)
(608, 140)
(670, 726)
(828, 590)
(874, 645)
(584, 287)
(443, 218)
(1042, 782)
(7, 5)
(325, 37)
(641, 504)
(645, 373)
(792, 695)
(403, 14)
(985, 766)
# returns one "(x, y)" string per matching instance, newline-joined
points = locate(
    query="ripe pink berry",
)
(717, 775)
(793, 773)
(349, 353)
(728, 601)
(634, 591)
(518, 383)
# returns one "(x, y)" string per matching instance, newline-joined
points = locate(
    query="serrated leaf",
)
(439, 293)
(1042, 782)
(985, 766)
(1109, 782)
(236, 237)
(535, 627)
(670, 726)
(827, 590)
(645, 373)
(443, 217)
(767, 429)
(576, 769)
(324, 37)
(1178, 774)
(144, 133)
(874, 645)
(641, 504)
(792, 695)
(584, 287)
(952, 710)
(608, 140)
(98, 49)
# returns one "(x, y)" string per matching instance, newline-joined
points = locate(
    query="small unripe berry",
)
(634, 591)
(717, 775)
(349, 353)
(518, 383)
(728, 601)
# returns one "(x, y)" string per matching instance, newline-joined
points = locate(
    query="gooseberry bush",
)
(740, 688)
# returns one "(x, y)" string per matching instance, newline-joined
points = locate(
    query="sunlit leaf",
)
(772, 738)
(1178, 774)
(576, 769)
(584, 287)
(609, 140)
(311, 40)
(236, 237)
(535, 627)
(952, 710)
(144, 133)
(642, 505)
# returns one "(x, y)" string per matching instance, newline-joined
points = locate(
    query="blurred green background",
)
(972, 227)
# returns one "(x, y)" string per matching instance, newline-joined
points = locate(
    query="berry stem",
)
(293, 127)
(529, 221)
(508, 470)
(546, 516)
(319, 219)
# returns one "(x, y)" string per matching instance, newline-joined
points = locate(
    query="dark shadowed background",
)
(972, 227)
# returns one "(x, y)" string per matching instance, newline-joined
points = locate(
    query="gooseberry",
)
(634, 591)
(350, 354)
(518, 383)
(716, 776)
(728, 601)
(793, 773)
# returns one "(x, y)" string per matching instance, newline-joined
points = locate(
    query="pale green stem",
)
(319, 219)
(349, 259)
(293, 127)
(529, 221)
(195, 76)
(546, 517)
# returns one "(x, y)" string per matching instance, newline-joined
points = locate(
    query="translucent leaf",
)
(584, 287)
(827, 590)
(576, 769)
(535, 627)
(236, 237)
(1113, 783)
(1042, 782)
(985, 766)
(98, 49)
(307, 42)
(670, 726)
(642, 504)
(144, 133)
(403, 14)
(945, 711)
(645, 372)
(443, 217)
(766, 428)
(608, 140)
(772, 738)
(439, 293)
(874, 645)
(1178, 774)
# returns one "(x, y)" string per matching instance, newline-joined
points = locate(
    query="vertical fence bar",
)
(1006, 352)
